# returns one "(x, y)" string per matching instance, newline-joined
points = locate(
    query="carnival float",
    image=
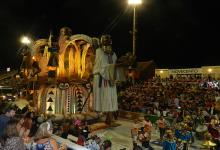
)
(59, 73)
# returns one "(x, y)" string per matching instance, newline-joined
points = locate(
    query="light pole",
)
(134, 3)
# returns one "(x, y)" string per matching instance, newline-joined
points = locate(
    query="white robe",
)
(105, 96)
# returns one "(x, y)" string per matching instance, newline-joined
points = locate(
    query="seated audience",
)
(43, 138)
(10, 139)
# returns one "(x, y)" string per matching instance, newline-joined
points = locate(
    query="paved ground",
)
(121, 136)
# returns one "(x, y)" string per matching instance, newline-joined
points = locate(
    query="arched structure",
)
(61, 73)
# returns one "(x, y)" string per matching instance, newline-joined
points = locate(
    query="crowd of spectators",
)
(28, 131)
(157, 96)
(189, 102)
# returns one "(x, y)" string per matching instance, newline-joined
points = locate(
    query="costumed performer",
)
(104, 79)
(183, 136)
(169, 142)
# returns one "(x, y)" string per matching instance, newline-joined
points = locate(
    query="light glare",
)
(134, 2)
(209, 70)
(25, 40)
(33, 58)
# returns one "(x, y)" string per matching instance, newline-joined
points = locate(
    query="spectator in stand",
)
(176, 102)
(20, 127)
(10, 139)
(94, 143)
(43, 138)
(81, 139)
(4, 118)
(77, 122)
(26, 126)
(65, 130)
(85, 130)
(107, 144)
(34, 125)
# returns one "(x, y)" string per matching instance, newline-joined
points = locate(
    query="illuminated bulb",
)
(25, 40)
(33, 58)
(134, 2)
(209, 70)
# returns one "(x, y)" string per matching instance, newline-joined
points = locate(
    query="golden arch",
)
(78, 58)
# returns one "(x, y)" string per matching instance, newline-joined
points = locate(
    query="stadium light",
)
(134, 3)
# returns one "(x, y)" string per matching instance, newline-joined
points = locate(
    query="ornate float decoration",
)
(60, 71)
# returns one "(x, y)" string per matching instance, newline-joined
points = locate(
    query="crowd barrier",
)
(68, 143)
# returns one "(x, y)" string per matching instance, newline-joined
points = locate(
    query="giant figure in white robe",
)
(104, 87)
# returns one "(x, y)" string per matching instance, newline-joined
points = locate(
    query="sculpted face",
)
(65, 31)
(106, 40)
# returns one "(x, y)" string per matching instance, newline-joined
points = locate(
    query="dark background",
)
(173, 33)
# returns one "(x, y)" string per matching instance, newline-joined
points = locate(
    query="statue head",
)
(95, 43)
(65, 31)
(106, 40)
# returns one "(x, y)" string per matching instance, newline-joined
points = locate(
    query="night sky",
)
(173, 33)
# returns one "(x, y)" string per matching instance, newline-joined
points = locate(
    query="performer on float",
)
(104, 79)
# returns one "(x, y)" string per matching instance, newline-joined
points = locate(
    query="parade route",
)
(121, 136)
